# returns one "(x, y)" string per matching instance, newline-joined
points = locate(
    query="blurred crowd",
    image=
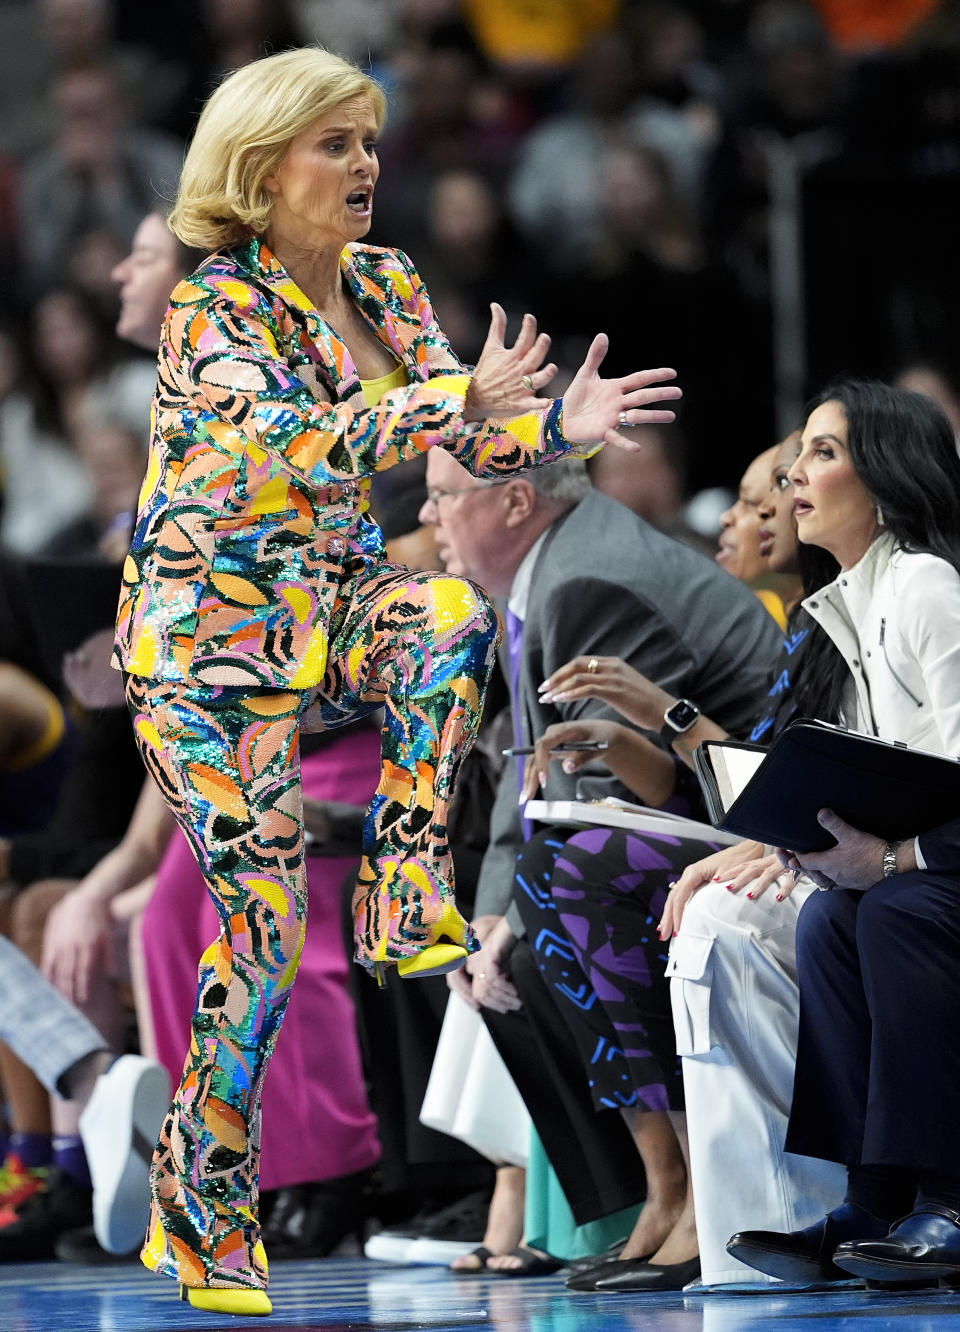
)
(631, 166)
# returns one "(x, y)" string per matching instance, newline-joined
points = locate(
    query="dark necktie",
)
(515, 656)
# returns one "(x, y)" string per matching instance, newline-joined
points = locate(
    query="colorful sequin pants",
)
(227, 760)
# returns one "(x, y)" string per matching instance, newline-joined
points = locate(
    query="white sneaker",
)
(419, 1250)
(119, 1128)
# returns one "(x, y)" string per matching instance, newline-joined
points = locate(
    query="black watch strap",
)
(679, 718)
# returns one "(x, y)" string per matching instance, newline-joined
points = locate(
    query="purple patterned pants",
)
(591, 903)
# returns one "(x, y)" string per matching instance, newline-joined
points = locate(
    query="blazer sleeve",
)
(220, 351)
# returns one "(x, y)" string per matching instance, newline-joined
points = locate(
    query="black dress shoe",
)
(310, 1220)
(806, 1255)
(637, 1275)
(924, 1244)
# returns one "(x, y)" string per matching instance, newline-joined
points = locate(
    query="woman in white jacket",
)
(877, 1087)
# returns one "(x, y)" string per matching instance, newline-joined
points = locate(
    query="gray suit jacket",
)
(608, 584)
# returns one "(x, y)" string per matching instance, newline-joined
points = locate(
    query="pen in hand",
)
(573, 747)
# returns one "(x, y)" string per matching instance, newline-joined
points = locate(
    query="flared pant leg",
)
(422, 646)
(227, 761)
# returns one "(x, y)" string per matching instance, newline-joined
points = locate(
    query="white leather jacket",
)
(895, 617)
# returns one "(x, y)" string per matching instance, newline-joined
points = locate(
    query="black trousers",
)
(878, 1062)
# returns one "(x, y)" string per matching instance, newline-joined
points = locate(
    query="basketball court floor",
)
(353, 1295)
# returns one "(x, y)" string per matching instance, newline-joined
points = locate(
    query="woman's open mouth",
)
(801, 507)
(360, 202)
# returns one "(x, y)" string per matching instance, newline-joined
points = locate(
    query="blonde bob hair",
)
(243, 135)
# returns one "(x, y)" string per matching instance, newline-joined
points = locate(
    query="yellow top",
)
(374, 389)
(774, 604)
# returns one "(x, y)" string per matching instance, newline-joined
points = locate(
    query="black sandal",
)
(481, 1253)
(533, 1263)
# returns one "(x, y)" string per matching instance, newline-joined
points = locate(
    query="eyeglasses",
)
(434, 496)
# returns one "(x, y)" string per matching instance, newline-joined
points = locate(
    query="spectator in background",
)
(933, 381)
(43, 484)
(645, 276)
(556, 190)
(678, 90)
(472, 249)
(652, 482)
(534, 42)
(738, 550)
(83, 368)
(112, 454)
(102, 171)
(452, 114)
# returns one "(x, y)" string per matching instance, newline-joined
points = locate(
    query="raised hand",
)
(594, 409)
(506, 380)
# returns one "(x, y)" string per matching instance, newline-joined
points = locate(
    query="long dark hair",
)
(903, 450)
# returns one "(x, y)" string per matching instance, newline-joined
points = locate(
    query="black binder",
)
(879, 786)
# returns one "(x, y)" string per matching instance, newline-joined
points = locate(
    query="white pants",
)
(735, 1006)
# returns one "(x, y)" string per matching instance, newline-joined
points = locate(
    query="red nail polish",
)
(674, 934)
(729, 887)
(779, 897)
(750, 895)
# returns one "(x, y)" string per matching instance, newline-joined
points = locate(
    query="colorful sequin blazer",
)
(261, 451)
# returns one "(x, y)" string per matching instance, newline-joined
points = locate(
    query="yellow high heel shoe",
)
(242, 1303)
(436, 960)
(440, 957)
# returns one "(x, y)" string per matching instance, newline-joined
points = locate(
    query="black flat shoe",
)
(925, 1244)
(637, 1275)
(805, 1255)
(578, 1265)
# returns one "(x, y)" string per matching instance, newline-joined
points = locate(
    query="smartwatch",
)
(677, 719)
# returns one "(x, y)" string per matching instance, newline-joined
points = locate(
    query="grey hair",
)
(565, 481)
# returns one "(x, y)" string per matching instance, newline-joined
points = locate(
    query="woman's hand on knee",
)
(756, 876)
(716, 866)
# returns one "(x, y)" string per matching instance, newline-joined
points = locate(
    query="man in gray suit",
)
(586, 577)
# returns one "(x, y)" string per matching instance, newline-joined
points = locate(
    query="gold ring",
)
(592, 665)
(527, 383)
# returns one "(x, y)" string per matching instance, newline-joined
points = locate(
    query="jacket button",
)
(336, 546)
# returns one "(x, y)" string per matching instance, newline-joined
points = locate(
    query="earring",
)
(879, 513)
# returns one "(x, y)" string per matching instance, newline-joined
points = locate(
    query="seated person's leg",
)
(122, 1101)
(592, 920)
(734, 989)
